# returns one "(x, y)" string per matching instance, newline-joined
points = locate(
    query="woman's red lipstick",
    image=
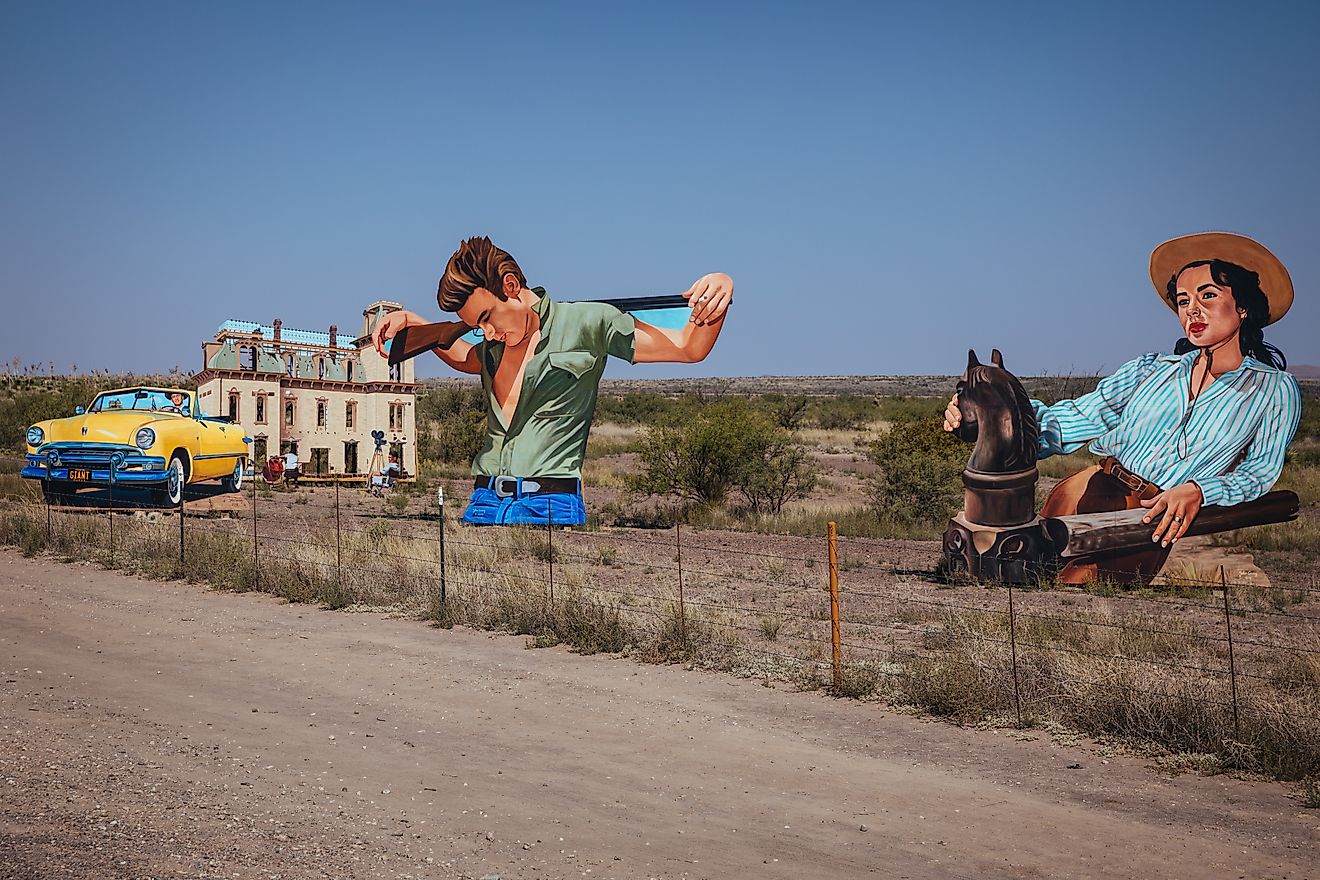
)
(1195, 327)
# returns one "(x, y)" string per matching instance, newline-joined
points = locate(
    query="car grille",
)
(73, 454)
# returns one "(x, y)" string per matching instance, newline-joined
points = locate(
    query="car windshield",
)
(144, 400)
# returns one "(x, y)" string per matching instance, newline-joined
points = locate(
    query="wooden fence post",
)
(836, 640)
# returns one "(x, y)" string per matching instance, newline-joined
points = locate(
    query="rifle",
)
(662, 310)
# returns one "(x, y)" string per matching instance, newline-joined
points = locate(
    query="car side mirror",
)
(78, 410)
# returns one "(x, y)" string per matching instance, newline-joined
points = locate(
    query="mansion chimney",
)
(278, 325)
(334, 336)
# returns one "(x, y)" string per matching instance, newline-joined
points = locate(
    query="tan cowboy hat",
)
(1170, 257)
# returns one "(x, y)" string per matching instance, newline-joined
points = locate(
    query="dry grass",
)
(1152, 678)
(611, 438)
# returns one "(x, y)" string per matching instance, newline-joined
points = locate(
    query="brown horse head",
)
(997, 415)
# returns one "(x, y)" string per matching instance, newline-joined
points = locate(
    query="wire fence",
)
(1230, 668)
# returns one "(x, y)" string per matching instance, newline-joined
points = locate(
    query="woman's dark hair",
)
(1245, 285)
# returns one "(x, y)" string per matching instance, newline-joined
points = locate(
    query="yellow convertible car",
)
(153, 438)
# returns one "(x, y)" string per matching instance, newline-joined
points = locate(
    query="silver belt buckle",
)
(1129, 479)
(499, 483)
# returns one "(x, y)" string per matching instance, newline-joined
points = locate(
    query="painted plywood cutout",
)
(540, 361)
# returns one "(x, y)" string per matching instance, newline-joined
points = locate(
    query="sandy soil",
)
(159, 730)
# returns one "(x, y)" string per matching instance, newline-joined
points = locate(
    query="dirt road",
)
(160, 730)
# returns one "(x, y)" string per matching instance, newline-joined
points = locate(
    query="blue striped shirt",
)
(1232, 445)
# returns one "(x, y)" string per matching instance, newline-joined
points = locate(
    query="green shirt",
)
(547, 436)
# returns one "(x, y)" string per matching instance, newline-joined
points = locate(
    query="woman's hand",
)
(952, 415)
(710, 297)
(389, 326)
(1178, 507)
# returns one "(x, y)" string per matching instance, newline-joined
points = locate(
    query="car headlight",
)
(35, 435)
(145, 438)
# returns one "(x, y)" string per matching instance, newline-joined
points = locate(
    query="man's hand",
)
(952, 415)
(1178, 507)
(389, 326)
(710, 297)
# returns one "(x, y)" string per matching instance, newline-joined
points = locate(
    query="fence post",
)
(440, 496)
(682, 607)
(50, 530)
(339, 548)
(1232, 665)
(550, 548)
(1012, 644)
(181, 555)
(836, 641)
(256, 572)
(111, 511)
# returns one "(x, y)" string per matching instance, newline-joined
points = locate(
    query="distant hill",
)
(1304, 371)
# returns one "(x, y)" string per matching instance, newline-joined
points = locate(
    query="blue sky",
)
(888, 184)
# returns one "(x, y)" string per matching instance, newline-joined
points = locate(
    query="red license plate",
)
(80, 474)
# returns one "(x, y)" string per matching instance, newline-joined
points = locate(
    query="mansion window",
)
(350, 410)
(396, 416)
(396, 373)
(290, 411)
(233, 406)
(261, 409)
(320, 413)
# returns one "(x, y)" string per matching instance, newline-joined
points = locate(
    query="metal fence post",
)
(440, 497)
(111, 512)
(256, 572)
(1012, 644)
(836, 640)
(50, 530)
(550, 548)
(339, 546)
(1232, 664)
(678, 547)
(181, 554)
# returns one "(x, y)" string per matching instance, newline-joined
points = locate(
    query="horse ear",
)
(997, 359)
(971, 359)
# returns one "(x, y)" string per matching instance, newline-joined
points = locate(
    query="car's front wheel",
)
(234, 482)
(176, 479)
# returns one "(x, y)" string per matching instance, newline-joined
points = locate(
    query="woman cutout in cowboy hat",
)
(1208, 424)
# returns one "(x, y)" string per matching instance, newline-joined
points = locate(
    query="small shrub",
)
(544, 550)
(770, 625)
(920, 472)
(1310, 793)
(725, 447)
(858, 681)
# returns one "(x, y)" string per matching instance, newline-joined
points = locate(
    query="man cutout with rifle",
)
(540, 363)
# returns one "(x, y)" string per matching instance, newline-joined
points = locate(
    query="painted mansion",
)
(312, 392)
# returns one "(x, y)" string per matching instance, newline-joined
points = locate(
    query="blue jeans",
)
(485, 508)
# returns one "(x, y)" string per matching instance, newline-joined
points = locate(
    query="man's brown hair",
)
(476, 263)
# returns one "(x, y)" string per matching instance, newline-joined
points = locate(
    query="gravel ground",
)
(152, 730)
